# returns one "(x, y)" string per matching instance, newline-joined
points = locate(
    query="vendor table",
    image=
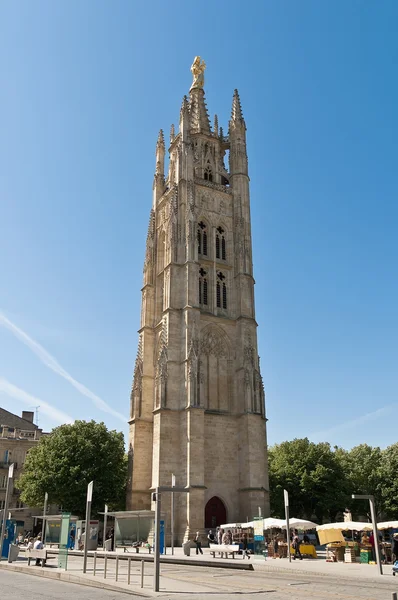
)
(307, 549)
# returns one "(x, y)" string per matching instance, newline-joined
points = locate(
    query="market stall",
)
(340, 550)
(306, 549)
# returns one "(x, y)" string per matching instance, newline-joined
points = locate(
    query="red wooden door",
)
(215, 513)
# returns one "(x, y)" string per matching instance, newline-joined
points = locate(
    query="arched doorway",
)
(215, 513)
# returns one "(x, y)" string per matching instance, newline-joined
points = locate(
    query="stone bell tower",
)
(197, 401)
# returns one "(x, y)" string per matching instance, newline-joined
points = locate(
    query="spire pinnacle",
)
(236, 114)
(184, 107)
(172, 134)
(200, 122)
(215, 128)
(160, 142)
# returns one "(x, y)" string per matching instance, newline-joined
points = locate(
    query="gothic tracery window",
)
(202, 238)
(208, 174)
(203, 297)
(220, 243)
(221, 291)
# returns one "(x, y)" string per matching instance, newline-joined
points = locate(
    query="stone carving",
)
(198, 71)
(161, 369)
(248, 351)
(213, 342)
(213, 186)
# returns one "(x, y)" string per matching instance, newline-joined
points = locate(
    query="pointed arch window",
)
(221, 291)
(220, 243)
(208, 174)
(203, 296)
(202, 238)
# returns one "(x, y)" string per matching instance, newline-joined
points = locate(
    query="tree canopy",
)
(64, 462)
(311, 474)
(320, 479)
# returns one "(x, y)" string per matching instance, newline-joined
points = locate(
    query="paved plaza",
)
(271, 579)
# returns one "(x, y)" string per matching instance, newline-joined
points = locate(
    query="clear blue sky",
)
(85, 88)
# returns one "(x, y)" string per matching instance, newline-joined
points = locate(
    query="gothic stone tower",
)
(197, 400)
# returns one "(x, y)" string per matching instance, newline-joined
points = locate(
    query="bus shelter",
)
(52, 528)
(135, 527)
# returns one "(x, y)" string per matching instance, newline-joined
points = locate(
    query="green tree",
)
(64, 462)
(361, 466)
(313, 477)
(387, 487)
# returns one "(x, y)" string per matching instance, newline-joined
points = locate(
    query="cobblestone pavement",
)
(17, 586)
(277, 586)
(208, 583)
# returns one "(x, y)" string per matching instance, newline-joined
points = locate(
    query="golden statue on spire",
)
(198, 71)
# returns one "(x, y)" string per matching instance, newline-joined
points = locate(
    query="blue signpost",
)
(161, 538)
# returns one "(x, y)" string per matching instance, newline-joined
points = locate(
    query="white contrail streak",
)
(14, 392)
(381, 412)
(53, 364)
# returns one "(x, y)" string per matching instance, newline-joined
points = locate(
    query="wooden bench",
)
(224, 549)
(41, 554)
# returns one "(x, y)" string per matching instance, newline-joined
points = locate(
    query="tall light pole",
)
(156, 551)
(105, 522)
(374, 524)
(173, 484)
(286, 496)
(8, 491)
(88, 517)
(43, 527)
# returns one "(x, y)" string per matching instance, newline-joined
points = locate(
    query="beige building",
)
(17, 436)
(197, 400)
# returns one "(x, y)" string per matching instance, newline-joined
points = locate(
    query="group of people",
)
(220, 537)
(36, 544)
(295, 544)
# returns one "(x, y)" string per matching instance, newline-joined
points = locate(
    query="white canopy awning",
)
(301, 524)
(346, 526)
(272, 523)
(388, 525)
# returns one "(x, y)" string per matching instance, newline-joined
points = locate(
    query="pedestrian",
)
(211, 537)
(276, 546)
(198, 543)
(29, 545)
(111, 536)
(244, 546)
(38, 545)
(395, 548)
(220, 533)
(227, 537)
(296, 546)
(372, 543)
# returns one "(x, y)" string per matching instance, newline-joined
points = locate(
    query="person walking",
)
(198, 543)
(220, 533)
(296, 546)
(211, 537)
(244, 546)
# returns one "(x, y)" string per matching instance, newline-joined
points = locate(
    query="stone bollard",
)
(142, 573)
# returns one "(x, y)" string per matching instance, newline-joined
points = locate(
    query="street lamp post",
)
(8, 491)
(374, 524)
(88, 517)
(43, 527)
(156, 553)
